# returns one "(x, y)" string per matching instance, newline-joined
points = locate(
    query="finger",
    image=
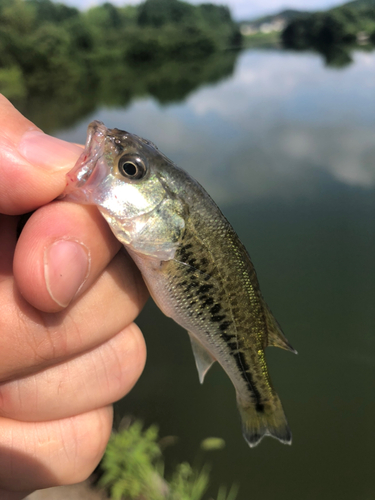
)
(35, 455)
(93, 380)
(31, 340)
(32, 164)
(61, 252)
(13, 495)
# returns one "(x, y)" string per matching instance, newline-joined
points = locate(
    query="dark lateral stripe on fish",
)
(246, 375)
(243, 366)
(218, 319)
(217, 308)
(203, 292)
(224, 325)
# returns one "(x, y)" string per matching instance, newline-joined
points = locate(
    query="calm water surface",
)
(286, 147)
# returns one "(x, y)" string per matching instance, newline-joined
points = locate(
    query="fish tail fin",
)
(268, 419)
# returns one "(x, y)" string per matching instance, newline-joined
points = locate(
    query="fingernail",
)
(66, 267)
(46, 151)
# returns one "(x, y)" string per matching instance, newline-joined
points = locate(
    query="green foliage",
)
(46, 11)
(157, 13)
(11, 82)
(17, 17)
(111, 84)
(129, 461)
(287, 14)
(133, 470)
(232, 494)
(152, 46)
(187, 483)
(262, 40)
(212, 443)
(339, 26)
(68, 60)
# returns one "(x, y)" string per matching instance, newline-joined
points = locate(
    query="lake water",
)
(286, 146)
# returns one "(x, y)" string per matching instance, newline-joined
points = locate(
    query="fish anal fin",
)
(276, 338)
(203, 359)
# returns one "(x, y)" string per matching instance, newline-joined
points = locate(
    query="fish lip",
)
(82, 171)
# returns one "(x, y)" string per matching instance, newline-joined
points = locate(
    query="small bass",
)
(195, 267)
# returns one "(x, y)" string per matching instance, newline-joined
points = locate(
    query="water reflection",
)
(286, 147)
(117, 84)
(275, 129)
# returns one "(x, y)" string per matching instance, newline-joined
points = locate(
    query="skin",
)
(68, 298)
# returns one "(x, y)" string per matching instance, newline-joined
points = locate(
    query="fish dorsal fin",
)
(276, 337)
(203, 358)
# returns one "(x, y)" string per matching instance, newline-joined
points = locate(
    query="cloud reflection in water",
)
(282, 123)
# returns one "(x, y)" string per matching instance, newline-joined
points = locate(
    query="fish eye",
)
(132, 167)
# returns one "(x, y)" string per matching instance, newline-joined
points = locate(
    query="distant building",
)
(248, 29)
(276, 25)
(362, 38)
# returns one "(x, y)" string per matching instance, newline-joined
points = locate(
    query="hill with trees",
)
(333, 32)
(53, 50)
(286, 15)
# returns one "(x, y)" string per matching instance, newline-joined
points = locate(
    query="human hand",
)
(68, 298)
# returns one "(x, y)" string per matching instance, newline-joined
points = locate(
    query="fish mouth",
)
(77, 188)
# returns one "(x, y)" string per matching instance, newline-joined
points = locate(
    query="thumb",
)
(32, 164)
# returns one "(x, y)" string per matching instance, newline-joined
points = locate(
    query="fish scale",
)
(224, 324)
(193, 263)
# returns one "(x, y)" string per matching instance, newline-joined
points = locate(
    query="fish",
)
(197, 270)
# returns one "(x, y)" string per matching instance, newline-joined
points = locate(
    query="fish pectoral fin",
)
(276, 338)
(203, 359)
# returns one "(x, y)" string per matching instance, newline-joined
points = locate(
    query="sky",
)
(241, 9)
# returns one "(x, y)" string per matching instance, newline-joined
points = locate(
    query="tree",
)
(157, 13)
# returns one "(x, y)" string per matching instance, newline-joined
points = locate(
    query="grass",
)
(133, 469)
